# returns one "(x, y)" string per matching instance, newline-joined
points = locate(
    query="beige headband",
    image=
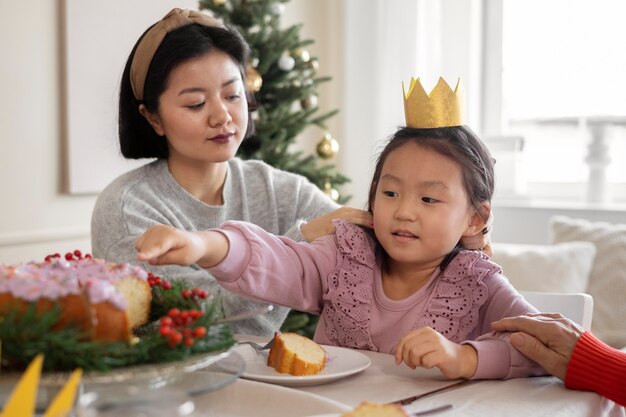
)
(152, 39)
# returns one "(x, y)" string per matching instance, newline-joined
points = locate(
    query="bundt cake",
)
(106, 300)
(297, 355)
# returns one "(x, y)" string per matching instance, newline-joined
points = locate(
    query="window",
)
(561, 86)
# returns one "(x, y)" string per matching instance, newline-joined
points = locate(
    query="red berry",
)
(174, 338)
(88, 256)
(166, 321)
(185, 293)
(165, 331)
(174, 312)
(78, 254)
(199, 332)
(48, 258)
(189, 341)
(150, 275)
(202, 294)
(194, 314)
(69, 256)
(57, 255)
(157, 280)
(166, 285)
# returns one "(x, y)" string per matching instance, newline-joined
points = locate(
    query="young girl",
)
(409, 289)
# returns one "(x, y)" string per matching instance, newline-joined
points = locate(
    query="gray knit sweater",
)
(276, 200)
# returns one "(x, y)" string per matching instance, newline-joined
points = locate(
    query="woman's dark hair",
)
(137, 138)
(461, 145)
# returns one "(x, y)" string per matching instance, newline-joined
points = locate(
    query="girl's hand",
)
(322, 226)
(427, 348)
(161, 245)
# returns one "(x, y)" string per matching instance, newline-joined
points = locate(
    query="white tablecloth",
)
(383, 381)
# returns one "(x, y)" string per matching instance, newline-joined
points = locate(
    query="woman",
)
(183, 101)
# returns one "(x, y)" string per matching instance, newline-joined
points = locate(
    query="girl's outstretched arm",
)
(161, 245)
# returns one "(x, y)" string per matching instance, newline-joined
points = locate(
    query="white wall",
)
(35, 218)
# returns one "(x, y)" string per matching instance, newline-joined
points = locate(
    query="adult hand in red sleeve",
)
(547, 338)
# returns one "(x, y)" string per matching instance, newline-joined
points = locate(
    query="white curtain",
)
(387, 42)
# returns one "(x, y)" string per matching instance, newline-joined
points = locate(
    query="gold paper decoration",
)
(441, 108)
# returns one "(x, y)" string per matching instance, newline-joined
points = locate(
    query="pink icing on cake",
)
(58, 278)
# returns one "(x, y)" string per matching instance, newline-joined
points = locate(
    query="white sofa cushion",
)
(607, 282)
(562, 268)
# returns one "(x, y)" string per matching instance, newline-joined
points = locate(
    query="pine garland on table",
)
(181, 324)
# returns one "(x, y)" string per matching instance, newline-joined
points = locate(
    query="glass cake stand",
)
(155, 390)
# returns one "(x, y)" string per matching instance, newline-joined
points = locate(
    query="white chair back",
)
(575, 306)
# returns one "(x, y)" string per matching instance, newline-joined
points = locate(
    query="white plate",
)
(252, 398)
(340, 363)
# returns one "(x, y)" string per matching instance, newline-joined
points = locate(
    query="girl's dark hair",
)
(137, 138)
(461, 145)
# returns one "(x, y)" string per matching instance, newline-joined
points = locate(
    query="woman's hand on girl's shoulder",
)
(323, 225)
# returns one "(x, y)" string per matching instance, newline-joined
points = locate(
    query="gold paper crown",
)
(441, 108)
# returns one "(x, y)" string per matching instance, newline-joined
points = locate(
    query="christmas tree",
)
(283, 75)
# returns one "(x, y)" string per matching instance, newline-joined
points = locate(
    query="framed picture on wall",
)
(96, 41)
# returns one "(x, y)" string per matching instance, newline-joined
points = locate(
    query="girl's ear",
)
(153, 119)
(476, 223)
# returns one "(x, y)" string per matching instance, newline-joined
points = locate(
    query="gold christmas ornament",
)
(309, 102)
(330, 191)
(327, 147)
(303, 54)
(254, 81)
(441, 108)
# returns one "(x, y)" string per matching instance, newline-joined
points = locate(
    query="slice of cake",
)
(106, 300)
(296, 355)
(368, 409)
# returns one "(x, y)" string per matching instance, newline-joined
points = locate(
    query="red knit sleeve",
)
(595, 366)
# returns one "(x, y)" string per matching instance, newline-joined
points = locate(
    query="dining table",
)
(383, 381)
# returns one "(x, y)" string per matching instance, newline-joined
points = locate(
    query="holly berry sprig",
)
(181, 327)
(155, 281)
(69, 256)
(167, 295)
